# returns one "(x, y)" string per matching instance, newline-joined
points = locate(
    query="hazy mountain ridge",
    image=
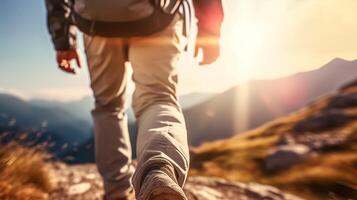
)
(260, 101)
(80, 108)
(65, 127)
(33, 125)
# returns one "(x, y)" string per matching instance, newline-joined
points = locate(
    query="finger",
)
(203, 62)
(196, 50)
(208, 59)
(59, 60)
(70, 70)
(66, 67)
(78, 61)
(205, 56)
(211, 54)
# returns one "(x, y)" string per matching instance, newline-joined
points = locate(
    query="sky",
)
(261, 39)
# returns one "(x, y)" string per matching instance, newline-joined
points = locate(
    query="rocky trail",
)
(78, 182)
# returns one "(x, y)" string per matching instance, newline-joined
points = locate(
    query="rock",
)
(325, 141)
(286, 139)
(343, 101)
(90, 176)
(204, 188)
(77, 180)
(78, 189)
(326, 120)
(283, 157)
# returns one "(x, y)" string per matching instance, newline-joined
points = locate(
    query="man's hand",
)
(64, 60)
(210, 49)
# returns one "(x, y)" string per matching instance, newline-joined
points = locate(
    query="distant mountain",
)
(31, 124)
(250, 105)
(190, 100)
(65, 127)
(310, 153)
(80, 108)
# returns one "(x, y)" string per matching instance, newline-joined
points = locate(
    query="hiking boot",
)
(130, 196)
(161, 184)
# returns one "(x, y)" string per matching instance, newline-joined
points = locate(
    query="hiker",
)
(151, 35)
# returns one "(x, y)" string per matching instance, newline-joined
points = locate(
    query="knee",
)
(109, 164)
(144, 102)
(111, 104)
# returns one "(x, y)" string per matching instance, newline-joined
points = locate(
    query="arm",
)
(210, 17)
(63, 32)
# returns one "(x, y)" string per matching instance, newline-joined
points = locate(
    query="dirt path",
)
(80, 182)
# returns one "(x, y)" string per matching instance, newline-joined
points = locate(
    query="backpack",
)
(161, 17)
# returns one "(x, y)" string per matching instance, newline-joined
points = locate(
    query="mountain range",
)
(208, 116)
(249, 105)
(30, 124)
(65, 128)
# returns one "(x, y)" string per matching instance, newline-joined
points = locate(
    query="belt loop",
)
(126, 48)
(92, 28)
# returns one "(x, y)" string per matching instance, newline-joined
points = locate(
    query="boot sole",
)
(167, 193)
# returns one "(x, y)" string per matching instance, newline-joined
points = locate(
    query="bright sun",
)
(241, 45)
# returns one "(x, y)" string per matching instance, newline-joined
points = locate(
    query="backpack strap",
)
(169, 6)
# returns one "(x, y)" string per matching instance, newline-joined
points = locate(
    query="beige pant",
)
(162, 136)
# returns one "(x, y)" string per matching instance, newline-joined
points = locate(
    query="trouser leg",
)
(162, 136)
(106, 62)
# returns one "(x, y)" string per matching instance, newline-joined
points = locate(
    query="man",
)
(151, 35)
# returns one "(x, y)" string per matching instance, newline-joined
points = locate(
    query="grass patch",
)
(319, 178)
(325, 175)
(24, 175)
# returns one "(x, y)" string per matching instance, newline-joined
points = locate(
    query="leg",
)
(162, 137)
(106, 62)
